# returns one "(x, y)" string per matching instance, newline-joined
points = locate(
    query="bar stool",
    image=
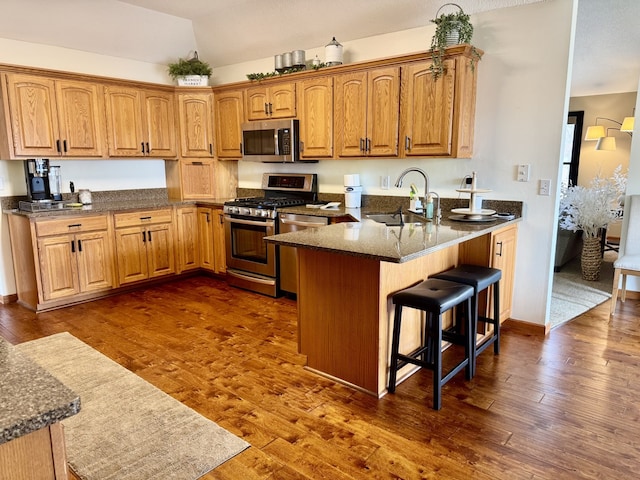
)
(434, 297)
(480, 278)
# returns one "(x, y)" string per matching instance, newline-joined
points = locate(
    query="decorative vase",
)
(591, 258)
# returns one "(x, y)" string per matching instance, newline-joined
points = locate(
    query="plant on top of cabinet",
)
(451, 29)
(192, 72)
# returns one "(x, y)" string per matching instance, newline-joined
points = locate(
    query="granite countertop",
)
(397, 244)
(30, 397)
(115, 206)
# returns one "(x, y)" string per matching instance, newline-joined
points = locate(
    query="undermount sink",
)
(395, 219)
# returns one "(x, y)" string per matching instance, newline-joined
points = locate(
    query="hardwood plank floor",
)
(561, 406)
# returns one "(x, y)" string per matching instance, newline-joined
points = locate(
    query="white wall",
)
(521, 110)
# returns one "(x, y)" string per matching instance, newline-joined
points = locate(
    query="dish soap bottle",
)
(429, 206)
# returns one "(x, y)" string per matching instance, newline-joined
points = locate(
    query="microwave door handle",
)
(276, 135)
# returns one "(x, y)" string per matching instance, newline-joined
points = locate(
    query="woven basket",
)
(193, 81)
(591, 258)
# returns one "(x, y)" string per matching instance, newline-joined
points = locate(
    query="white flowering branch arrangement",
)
(592, 208)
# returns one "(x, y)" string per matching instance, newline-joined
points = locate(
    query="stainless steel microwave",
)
(271, 141)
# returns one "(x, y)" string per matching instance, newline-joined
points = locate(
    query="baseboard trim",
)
(523, 328)
(7, 299)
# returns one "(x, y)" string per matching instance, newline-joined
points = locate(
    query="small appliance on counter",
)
(37, 177)
(352, 191)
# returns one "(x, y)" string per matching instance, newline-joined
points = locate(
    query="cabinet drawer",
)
(145, 217)
(71, 225)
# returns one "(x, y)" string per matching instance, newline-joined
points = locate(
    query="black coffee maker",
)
(37, 176)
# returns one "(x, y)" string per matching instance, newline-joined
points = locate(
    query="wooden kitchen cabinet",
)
(52, 118)
(144, 245)
(367, 113)
(140, 123)
(198, 178)
(315, 112)
(75, 255)
(187, 238)
(195, 111)
(229, 115)
(275, 101)
(436, 116)
(504, 257)
(211, 239)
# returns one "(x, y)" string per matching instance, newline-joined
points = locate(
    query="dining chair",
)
(628, 262)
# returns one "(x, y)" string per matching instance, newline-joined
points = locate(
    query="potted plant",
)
(192, 72)
(590, 209)
(451, 29)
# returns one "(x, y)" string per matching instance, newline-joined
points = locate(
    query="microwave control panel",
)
(285, 141)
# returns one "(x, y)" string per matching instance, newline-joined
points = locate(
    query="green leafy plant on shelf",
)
(192, 66)
(451, 29)
(261, 76)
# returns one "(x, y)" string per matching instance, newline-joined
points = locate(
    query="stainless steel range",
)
(251, 262)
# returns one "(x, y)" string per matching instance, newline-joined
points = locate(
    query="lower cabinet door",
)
(206, 218)
(132, 254)
(160, 253)
(94, 256)
(58, 266)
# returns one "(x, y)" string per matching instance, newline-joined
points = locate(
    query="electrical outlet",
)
(524, 171)
(385, 182)
(544, 187)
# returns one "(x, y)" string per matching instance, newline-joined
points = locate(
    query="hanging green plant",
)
(451, 29)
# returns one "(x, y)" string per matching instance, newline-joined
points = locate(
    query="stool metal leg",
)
(496, 317)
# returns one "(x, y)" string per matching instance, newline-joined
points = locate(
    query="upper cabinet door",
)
(33, 115)
(315, 108)
(125, 129)
(229, 114)
(81, 114)
(196, 124)
(383, 110)
(350, 114)
(159, 111)
(427, 110)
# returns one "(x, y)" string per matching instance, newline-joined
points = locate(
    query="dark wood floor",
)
(564, 406)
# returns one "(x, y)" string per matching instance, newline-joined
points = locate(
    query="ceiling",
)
(225, 32)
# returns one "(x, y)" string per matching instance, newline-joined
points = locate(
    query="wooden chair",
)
(628, 262)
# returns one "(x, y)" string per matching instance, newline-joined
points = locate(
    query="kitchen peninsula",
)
(348, 272)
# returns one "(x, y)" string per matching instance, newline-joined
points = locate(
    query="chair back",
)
(630, 235)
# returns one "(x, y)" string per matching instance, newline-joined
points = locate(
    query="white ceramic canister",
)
(333, 53)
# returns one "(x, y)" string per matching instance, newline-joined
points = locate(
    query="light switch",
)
(544, 188)
(524, 171)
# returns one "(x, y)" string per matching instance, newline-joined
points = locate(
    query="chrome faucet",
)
(426, 185)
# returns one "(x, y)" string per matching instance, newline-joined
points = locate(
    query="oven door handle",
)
(258, 223)
(298, 223)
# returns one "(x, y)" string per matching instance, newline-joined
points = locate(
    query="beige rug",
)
(127, 428)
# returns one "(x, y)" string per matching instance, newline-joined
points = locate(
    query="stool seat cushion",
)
(475, 275)
(433, 295)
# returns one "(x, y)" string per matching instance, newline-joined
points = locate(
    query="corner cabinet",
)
(195, 111)
(53, 118)
(436, 116)
(366, 113)
(315, 112)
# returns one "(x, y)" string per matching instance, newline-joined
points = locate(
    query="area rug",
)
(572, 295)
(128, 429)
